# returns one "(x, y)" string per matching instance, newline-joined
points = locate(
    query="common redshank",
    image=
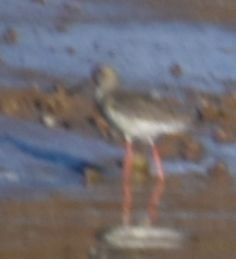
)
(140, 116)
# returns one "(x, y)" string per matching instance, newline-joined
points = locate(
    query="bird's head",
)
(106, 80)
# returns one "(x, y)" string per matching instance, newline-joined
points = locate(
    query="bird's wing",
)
(143, 105)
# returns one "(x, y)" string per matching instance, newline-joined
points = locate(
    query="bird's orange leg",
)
(159, 187)
(127, 187)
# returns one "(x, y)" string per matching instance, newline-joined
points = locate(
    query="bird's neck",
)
(103, 92)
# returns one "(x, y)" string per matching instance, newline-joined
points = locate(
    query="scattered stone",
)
(216, 109)
(60, 89)
(65, 124)
(175, 181)
(191, 149)
(71, 51)
(228, 50)
(52, 107)
(42, 2)
(10, 107)
(58, 100)
(72, 7)
(61, 27)
(100, 122)
(36, 87)
(229, 86)
(140, 168)
(92, 176)
(38, 104)
(10, 36)
(176, 70)
(224, 135)
(200, 117)
(207, 109)
(183, 146)
(48, 120)
(2, 62)
(219, 172)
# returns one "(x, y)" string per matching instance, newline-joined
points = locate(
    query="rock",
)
(191, 149)
(215, 109)
(219, 172)
(38, 104)
(59, 100)
(61, 26)
(176, 70)
(182, 146)
(224, 135)
(2, 62)
(71, 51)
(42, 2)
(73, 7)
(220, 135)
(100, 122)
(61, 89)
(168, 146)
(65, 124)
(49, 120)
(140, 168)
(10, 36)
(10, 106)
(92, 176)
(36, 87)
(207, 109)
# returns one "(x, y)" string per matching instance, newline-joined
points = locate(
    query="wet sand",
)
(69, 226)
(61, 227)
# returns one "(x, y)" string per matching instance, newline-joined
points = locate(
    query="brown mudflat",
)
(59, 102)
(61, 227)
(203, 10)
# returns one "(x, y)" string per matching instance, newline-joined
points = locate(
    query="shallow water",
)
(142, 52)
(42, 164)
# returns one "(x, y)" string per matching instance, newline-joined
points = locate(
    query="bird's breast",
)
(141, 128)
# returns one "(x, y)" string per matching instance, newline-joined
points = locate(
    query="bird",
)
(138, 116)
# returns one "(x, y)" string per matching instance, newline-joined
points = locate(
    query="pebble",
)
(92, 176)
(42, 2)
(223, 135)
(191, 150)
(48, 120)
(10, 107)
(219, 172)
(71, 51)
(10, 36)
(140, 168)
(176, 70)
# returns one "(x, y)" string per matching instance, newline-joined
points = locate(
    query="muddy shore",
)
(60, 162)
(62, 227)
